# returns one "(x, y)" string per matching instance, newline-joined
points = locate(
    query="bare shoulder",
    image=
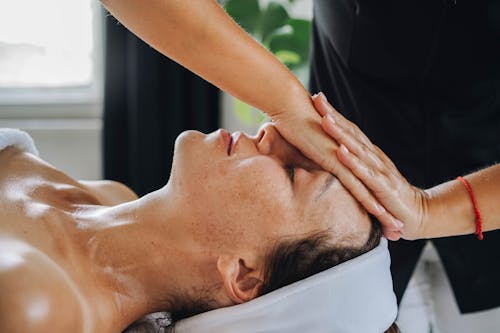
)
(109, 192)
(36, 294)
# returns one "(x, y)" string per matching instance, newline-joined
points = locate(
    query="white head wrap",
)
(353, 297)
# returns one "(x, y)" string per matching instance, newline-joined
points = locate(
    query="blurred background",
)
(100, 103)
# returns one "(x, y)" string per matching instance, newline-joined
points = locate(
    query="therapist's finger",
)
(375, 181)
(352, 142)
(364, 184)
(366, 198)
(392, 235)
(322, 149)
(376, 172)
(324, 108)
(365, 173)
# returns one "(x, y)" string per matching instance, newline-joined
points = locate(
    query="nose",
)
(270, 142)
(267, 137)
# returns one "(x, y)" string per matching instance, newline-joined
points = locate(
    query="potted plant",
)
(286, 36)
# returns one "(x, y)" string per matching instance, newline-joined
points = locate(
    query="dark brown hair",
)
(292, 260)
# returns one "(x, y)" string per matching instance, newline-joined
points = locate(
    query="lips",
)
(230, 145)
(227, 140)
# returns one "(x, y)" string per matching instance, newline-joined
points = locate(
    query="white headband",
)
(353, 297)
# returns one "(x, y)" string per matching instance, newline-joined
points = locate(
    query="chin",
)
(187, 137)
(186, 141)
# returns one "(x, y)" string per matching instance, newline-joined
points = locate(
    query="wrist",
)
(428, 209)
(294, 102)
(449, 211)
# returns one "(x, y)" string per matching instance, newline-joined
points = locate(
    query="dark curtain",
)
(148, 101)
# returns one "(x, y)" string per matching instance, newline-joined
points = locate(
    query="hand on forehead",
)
(283, 150)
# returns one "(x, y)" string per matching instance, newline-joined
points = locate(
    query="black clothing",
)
(422, 79)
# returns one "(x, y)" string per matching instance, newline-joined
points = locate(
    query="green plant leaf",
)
(245, 12)
(294, 40)
(287, 38)
(262, 118)
(273, 17)
(249, 115)
(288, 57)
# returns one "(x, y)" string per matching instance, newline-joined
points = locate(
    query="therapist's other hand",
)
(307, 135)
(375, 170)
(303, 130)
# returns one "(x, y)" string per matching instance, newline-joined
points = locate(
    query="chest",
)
(38, 204)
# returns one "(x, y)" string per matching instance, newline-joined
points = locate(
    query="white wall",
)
(72, 144)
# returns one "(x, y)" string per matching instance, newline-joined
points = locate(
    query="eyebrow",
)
(326, 185)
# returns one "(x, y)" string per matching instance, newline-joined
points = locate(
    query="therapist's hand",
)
(302, 128)
(376, 171)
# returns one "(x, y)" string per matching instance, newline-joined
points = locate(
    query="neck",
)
(143, 257)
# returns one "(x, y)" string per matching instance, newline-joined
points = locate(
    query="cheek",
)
(236, 198)
(247, 200)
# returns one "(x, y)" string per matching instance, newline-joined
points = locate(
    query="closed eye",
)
(290, 170)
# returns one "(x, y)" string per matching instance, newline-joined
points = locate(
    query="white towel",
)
(17, 138)
(354, 297)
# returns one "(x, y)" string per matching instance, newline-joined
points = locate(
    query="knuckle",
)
(365, 150)
(368, 172)
(330, 163)
(377, 164)
(384, 185)
(352, 129)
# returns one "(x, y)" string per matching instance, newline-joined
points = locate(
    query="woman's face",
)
(242, 189)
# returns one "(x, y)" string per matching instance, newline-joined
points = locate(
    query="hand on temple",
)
(371, 167)
(303, 130)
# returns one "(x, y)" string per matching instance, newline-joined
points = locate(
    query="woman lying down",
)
(240, 217)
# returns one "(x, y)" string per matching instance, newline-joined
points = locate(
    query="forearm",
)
(450, 211)
(199, 35)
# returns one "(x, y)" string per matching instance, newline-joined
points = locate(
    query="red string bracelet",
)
(479, 219)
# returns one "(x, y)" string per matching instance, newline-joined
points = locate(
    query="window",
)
(50, 52)
(51, 80)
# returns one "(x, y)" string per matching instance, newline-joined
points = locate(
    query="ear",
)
(241, 282)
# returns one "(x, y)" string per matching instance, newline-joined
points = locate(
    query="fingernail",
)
(315, 95)
(398, 224)
(344, 150)
(325, 104)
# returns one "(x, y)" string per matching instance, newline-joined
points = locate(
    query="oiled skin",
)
(45, 278)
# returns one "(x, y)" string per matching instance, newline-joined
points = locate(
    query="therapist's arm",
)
(200, 35)
(450, 211)
(443, 210)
